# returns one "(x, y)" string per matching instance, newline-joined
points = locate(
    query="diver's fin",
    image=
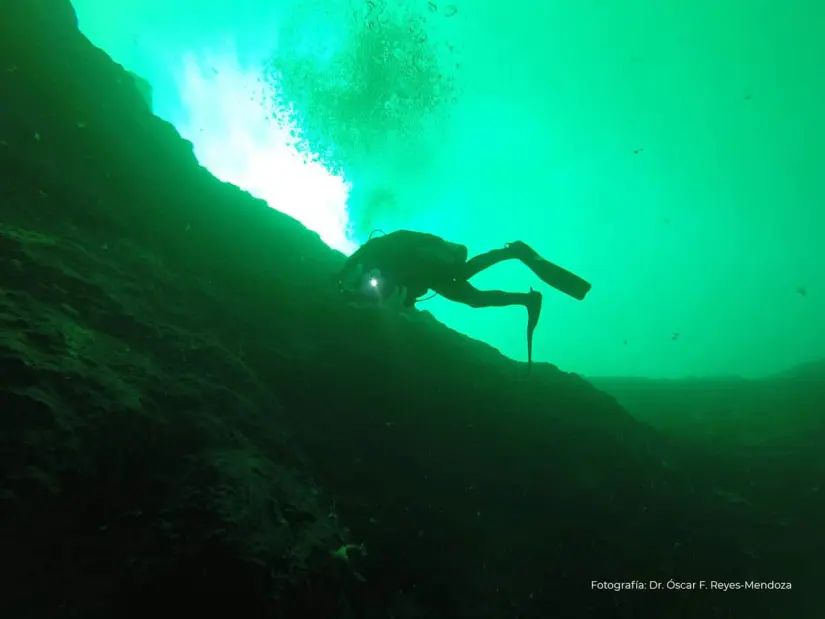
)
(533, 313)
(551, 274)
(559, 278)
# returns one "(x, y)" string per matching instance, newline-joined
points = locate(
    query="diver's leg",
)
(484, 261)
(517, 250)
(462, 291)
(551, 274)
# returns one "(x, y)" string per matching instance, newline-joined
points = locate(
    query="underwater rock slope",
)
(190, 416)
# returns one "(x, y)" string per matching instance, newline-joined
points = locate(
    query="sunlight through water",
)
(236, 135)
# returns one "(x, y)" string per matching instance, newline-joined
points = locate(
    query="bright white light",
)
(374, 283)
(229, 120)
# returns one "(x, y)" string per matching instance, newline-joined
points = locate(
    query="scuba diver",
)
(415, 262)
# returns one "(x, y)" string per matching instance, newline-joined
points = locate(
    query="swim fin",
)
(533, 313)
(552, 274)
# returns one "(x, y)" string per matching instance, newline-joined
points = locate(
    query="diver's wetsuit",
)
(417, 262)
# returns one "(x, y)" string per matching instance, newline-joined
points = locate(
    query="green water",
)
(668, 152)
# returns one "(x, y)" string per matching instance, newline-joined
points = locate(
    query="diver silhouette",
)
(415, 262)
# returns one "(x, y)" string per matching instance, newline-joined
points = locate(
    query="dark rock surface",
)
(191, 419)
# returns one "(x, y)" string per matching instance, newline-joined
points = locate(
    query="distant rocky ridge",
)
(787, 408)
